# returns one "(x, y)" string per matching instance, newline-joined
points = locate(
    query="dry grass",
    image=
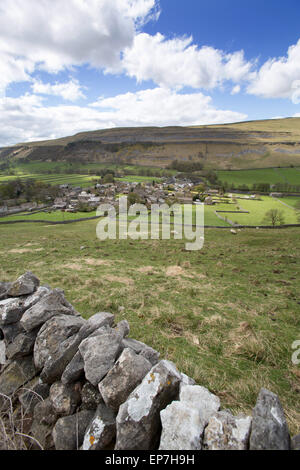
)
(244, 341)
(14, 426)
(178, 271)
(21, 251)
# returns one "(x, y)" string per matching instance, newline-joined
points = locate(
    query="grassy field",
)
(39, 167)
(53, 179)
(226, 315)
(59, 172)
(138, 179)
(257, 210)
(278, 129)
(291, 201)
(271, 176)
(55, 216)
(58, 216)
(74, 180)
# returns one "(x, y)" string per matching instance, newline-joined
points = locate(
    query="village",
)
(77, 199)
(170, 190)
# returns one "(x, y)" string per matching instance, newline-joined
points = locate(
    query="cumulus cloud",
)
(27, 118)
(13, 69)
(162, 106)
(70, 91)
(178, 62)
(279, 77)
(54, 35)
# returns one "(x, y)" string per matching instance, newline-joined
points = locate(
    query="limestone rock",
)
(182, 427)
(269, 427)
(49, 339)
(64, 398)
(36, 297)
(22, 345)
(24, 285)
(201, 399)
(90, 397)
(44, 419)
(227, 432)
(45, 413)
(186, 380)
(2, 353)
(10, 332)
(74, 370)
(123, 378)
(33, 394)
(62, 363)
(49, 306)
(16, 375)
(184, 421)
(123, 328)
(68, 432)
(4, 287)
(94, 323)
(99, 354)
(101, 431)
(140, 348)
(138, 420)
(11, 311)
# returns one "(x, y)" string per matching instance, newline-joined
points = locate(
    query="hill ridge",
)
(249, 144)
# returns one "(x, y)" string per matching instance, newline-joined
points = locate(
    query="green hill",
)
(246, 145)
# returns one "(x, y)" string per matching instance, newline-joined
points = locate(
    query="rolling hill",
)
(255, 144)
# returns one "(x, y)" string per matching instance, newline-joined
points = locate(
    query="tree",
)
(200, 188)
(133, 198)
(274, 217)
(108, 178)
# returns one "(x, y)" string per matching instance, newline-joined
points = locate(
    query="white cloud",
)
(70, 91)
(178, 62)
(13, 69)
(235, 90)
(296, 92)
(279, 77)
(26, 118)
(54, 34)
(162, 106)
(142, 11)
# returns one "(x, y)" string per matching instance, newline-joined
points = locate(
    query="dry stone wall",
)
(85, 384)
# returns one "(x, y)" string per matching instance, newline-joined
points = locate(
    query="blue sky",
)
(82, 65)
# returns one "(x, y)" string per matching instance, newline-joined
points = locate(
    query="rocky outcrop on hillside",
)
(72, 383)
(262, 144)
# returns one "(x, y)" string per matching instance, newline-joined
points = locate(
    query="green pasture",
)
(257, 210)
(227, 315)
(271, 176)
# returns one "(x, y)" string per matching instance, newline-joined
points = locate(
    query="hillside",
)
(255, 144)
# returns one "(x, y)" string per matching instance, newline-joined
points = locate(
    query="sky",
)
(68, 66)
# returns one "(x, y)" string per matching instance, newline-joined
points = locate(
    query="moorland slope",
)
(255, 144)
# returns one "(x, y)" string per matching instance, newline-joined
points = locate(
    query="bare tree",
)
(274, 217)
